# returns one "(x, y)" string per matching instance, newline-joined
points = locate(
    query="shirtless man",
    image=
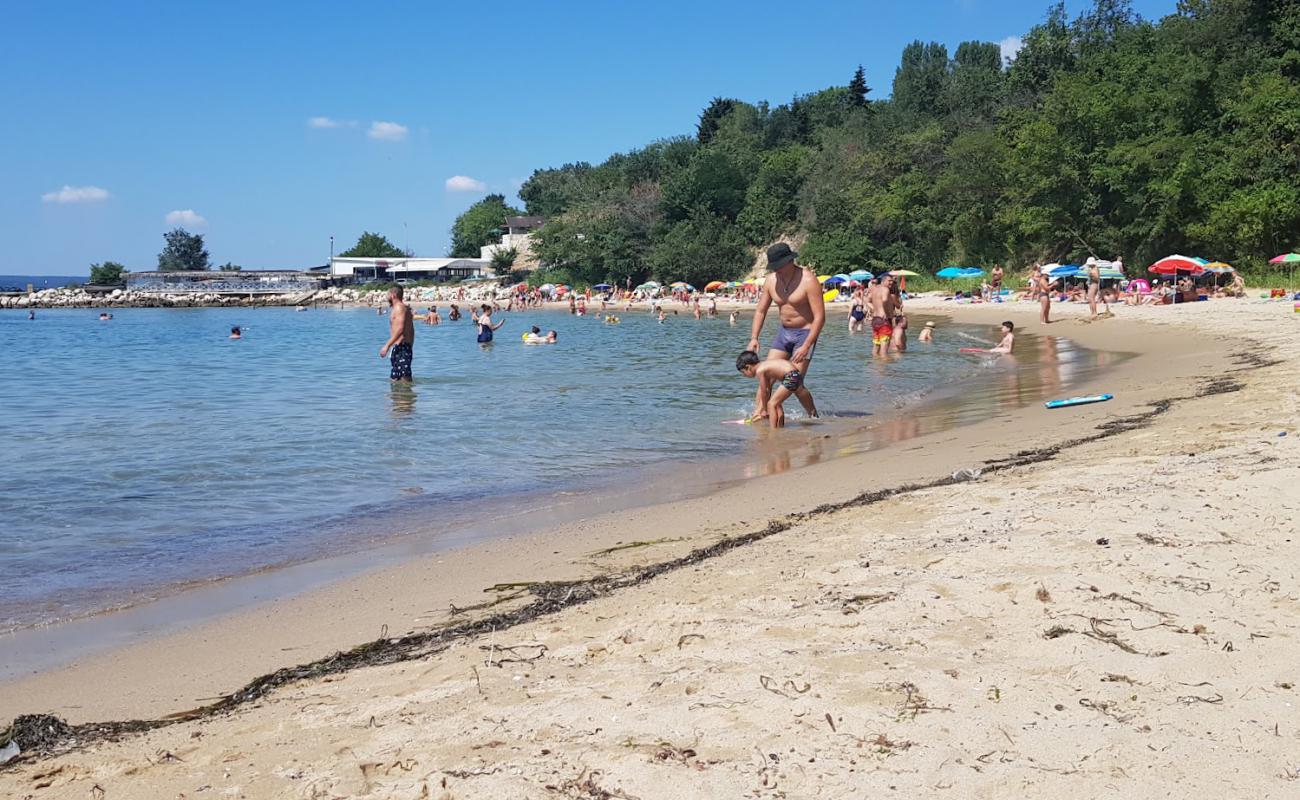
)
(995, 282)
(800, 309)
(401, 337)
(882, 306)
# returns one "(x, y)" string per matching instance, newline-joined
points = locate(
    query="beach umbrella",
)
(903, 273)
(1218, 267)
(860, 275)
(949, 273)
(1172, 265)
(711, 285)
(546, 287)
(602, 287)
(823, 278)
(835, 280)
(1290, 259)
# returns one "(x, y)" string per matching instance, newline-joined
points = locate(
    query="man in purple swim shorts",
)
(800, 309)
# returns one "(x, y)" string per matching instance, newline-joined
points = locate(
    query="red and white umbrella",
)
(1173, 265)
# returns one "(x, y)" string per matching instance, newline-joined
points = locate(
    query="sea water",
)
(152, 451)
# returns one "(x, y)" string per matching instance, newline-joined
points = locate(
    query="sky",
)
(270, 127)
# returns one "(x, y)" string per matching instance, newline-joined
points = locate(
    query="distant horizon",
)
(273, 145)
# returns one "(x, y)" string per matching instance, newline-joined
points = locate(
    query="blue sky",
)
(269, 127)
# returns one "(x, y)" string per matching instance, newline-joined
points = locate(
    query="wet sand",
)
(950, 637)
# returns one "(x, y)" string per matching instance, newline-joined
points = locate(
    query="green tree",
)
(373, 245)
(482, 224)
(920, 78)
(503, 259)
(182, 251)
(858, 88)
(699, 249)
(711, 118)
(108, 273)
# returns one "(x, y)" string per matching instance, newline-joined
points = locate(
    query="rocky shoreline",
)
(79, 297)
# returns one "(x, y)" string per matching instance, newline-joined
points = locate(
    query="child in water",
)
(778, 373)
(1008, 339)
(927, 333)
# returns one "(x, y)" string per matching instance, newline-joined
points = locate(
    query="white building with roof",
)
(390, 269)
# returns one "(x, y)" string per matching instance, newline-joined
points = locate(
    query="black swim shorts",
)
(399, 359)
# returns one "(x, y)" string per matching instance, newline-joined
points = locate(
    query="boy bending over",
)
(777, 380)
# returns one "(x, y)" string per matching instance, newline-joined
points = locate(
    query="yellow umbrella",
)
(823, 278)
(904, 273)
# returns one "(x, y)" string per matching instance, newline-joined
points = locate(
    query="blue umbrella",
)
(835, 280)
(602, 287)
(1062, 270)
(951, 272)
(860, 275)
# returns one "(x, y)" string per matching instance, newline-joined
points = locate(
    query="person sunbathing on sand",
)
(782, 374)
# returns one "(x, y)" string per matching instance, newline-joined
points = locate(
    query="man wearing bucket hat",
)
(800, 310)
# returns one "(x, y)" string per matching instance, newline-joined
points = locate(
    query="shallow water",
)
(152, 451)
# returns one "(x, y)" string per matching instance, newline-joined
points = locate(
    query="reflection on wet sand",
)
(1043, 368)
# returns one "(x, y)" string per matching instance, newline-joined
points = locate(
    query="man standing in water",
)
(800, 309)
(881, 304)
(401, 337)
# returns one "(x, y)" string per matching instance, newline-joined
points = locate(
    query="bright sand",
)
(1117, 620)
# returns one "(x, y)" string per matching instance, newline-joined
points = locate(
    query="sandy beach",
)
(1106, 607)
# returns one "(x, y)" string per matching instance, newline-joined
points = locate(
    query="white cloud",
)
(1010, 46)
(185, 218)
(324, 122)
(387, 132)
(76, 194)
(464, 183)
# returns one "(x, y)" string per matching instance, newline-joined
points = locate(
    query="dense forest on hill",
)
(1106, 134)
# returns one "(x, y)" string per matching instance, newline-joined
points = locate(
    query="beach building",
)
(518, 236)
(361, 270)
(234, 282)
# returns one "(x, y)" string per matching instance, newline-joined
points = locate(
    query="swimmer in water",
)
(432, 317)
(235, 333)
(927, 333)
(778, 378)
(732, 319)
(104, 316)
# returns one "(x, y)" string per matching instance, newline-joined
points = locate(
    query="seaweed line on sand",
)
(43, 735)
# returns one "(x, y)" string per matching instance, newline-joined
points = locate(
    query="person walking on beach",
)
(800, 308)
(995, 281)
(401, 338)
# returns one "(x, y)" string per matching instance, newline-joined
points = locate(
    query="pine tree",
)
(858, 89)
